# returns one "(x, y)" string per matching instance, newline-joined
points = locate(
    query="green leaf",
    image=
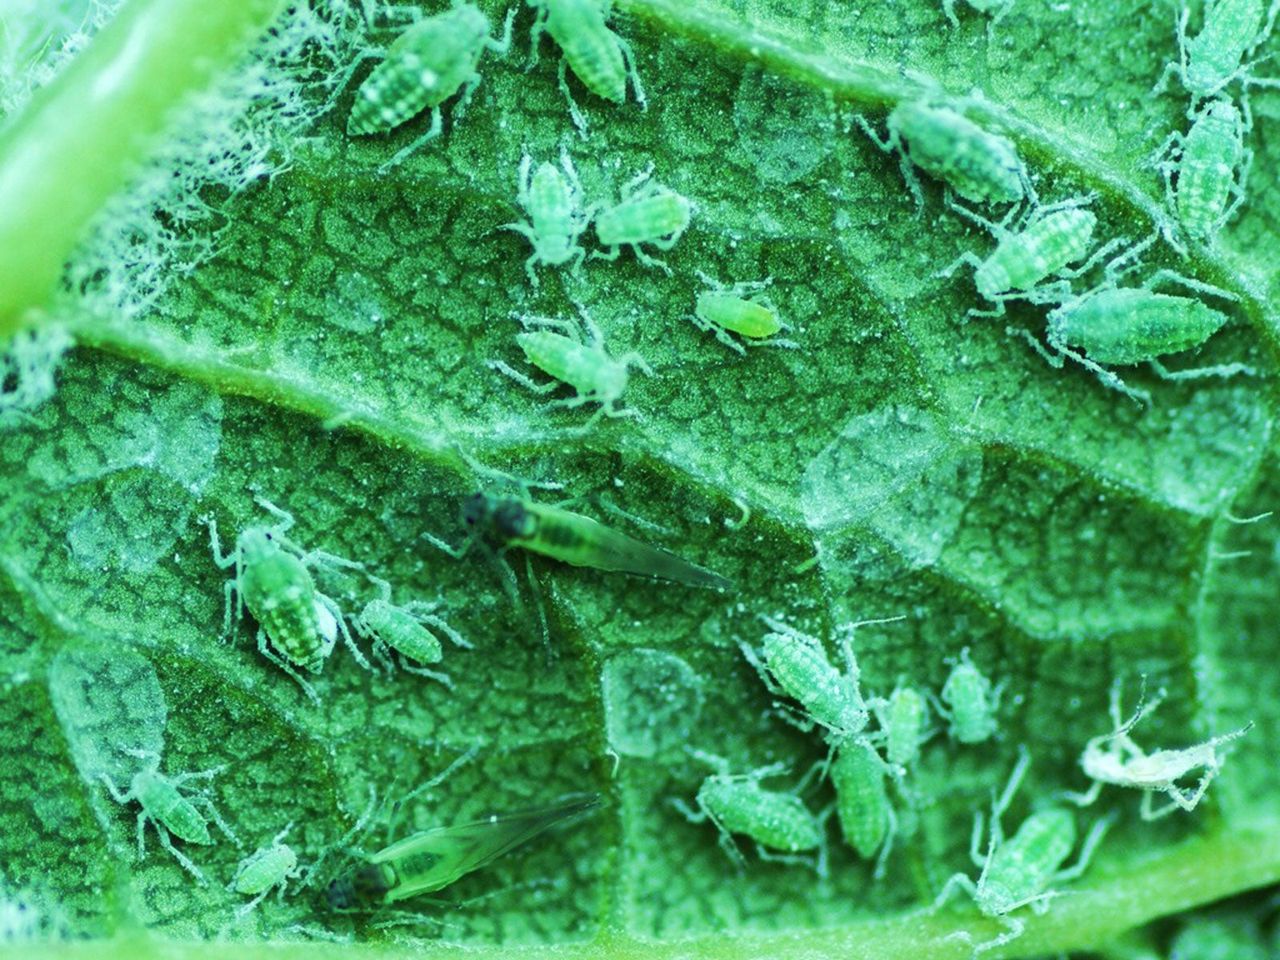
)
(261, 314)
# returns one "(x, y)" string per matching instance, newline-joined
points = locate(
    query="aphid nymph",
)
(1232, 30)
(553, 202)
(969, 702)
(866, 816)
(648, 213)
(402, 628)
(268, 868)
(739, 309)
(1211, 163)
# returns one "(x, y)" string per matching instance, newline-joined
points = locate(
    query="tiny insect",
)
(1232, 30)
(1043, 245)
(1212, 166)
(403, 628)
(571, 538)
(978, 165)
(647, 213)
(795, 665)
(595, 376)
(267, 868)
(902, 717)
(1114, 758)
(433, 859)
(167, 808)
(426, 65)
(866, 816)
(970, 702)
(735, 309)
(601, 59)
(1019, 871)
(1000, 8)
(553, 201)
(1124, 326)
(736, 803)
(273, 579)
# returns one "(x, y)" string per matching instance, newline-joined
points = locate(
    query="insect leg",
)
(957, 881)
(178, 855)
(1096, 833)
(1223, 370)
(575, 112)
(542, 389)
(437, 124)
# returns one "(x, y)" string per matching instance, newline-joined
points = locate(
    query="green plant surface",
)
(262, 314)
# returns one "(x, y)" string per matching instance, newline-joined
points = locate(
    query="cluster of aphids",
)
(1037, 245)
(1021, 870)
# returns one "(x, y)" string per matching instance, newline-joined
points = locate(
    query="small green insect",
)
(1040, 246)
(1232, 30)
(571, 538)
(167, 808)
(903, 718)
(403, 628)
(795, 665)
(273, 579)
(1000, 8)
(433, 859)
(735, 309)
(601, 59)
(595, 376)
(736, 803)
(866, 816)
(1124, 326)
(970, 702)
(978, 165)
(267, 868)
(1114, 758)
(427, 64)
(1019, 871)
(647, 213)
(1230, 937)
(1212, 166)
(553, 201)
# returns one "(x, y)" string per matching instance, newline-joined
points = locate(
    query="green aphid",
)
(267, 868)
(403, 628)
(903, 718)
(432, 859)
(576, 540)
(738, 308)
(866, 816)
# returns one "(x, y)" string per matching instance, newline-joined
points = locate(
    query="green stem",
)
(1170, 881)
(81, 137)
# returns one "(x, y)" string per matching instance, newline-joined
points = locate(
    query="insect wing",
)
(433, 859)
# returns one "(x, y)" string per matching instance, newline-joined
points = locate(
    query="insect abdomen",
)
(862, 804)
(979, 165)
(1132, 326)
(590, 48)
(643, 220)
(777, 820)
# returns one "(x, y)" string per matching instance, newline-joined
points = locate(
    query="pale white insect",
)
(557, 218)
(268, 868)
(1114, 758)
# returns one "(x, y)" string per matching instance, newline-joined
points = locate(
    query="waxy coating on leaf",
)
(595, 376)
(648, 213)
(1212, 165)
(167, 808)
(426, 65)
(268, 868)
(866, 816)
(553, 201)
(601, 59)
(1116, 759)
(736, 803)
(273, 579)
(1021, 870)
(433, 859)
(978, 165)
(577, 540)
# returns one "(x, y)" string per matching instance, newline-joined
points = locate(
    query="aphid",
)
(795, 664)
(594, 375)
(1124, 326)
(433, 859)
(553, 202)
(1115, 758)
(647, 213)
(169, 810)
(1042, 246)
(576, 540)
(1232, 29)
(1212, 165)
(736, 803)
(944, 143)
(403, 628)
(723, 310)
(1019, 871)
(970, 702)
(866, 817)
(273, 579)
(267, 868)
(601, 59)
(902, 717)
(1001, 9)
(427, 64)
